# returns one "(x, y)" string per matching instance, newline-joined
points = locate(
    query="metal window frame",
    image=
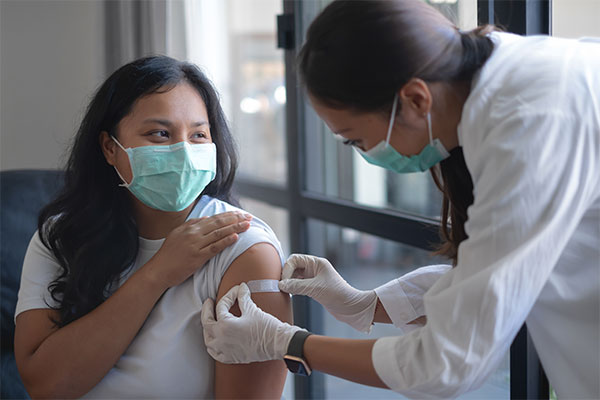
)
(528, 380)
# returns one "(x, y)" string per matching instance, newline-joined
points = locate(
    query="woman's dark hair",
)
(90, 227)
(358, 54)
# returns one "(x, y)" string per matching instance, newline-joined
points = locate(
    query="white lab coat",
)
(530, 132)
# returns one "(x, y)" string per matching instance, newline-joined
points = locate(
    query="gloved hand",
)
(252, 337)
(315, 277)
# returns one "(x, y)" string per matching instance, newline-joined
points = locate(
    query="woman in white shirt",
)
(510, 127)
(143, 232)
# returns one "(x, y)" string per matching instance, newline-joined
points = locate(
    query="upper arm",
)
(264, 379)
(32, 328)
(34, 319)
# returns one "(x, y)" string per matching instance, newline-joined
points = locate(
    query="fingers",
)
(244, 300)
(302, 272)
(211, 249)
(226, 302)
(208, 326)
(296, 286)
(218, 221)
(218, 234)
(297, 265)
(293, 263)
(207, 315)
(217, 217)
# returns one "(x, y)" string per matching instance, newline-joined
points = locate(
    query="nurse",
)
(510, 128)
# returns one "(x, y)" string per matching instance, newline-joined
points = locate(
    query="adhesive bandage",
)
(263, 286)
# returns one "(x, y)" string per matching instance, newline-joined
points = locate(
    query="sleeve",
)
(535, 175)
(39, 269)
(402, 298)
(259, 232)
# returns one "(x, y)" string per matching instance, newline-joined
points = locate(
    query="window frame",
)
(527, 377)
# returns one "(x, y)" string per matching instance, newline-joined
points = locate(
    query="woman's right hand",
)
(189, 246)
(315, 277)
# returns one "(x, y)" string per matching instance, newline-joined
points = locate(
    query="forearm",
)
(381, 316)
(73, 359)
(349, 359)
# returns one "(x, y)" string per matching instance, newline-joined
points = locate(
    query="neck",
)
(447, 111)
(156, 224)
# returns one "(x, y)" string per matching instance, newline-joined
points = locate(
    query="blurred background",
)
(319, 196)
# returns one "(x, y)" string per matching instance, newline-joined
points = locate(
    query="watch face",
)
(297, 365)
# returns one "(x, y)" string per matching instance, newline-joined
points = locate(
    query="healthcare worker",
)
(510, 126)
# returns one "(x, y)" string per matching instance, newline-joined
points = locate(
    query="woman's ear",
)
(109, 147)
(415, 100)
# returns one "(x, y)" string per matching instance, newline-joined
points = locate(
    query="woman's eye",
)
(162, 134)
(349, 142)
(199, 135)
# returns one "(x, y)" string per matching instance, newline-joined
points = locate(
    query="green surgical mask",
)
(170, 178)
(385, 156)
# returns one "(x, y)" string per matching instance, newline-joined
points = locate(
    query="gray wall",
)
(51, 60)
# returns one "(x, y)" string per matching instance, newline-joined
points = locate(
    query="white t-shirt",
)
(167, 358)
(530, 132)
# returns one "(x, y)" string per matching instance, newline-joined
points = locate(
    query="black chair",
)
(22, 195)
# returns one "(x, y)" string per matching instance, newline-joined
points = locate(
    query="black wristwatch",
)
(294, 359)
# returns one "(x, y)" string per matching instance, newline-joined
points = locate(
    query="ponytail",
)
(453, 177)
(477, 47)
(454, 181)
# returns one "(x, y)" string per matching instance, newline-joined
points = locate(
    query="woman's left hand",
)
(252, 337)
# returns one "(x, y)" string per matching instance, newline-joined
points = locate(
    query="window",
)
(234, 40)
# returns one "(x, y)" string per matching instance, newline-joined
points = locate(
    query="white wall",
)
(51, 60)
(575, 18)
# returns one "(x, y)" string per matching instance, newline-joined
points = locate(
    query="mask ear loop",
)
(437, 144)
(428, 118)
(392, 118)
(124, 184)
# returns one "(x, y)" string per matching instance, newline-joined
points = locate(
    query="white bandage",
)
(263, 286)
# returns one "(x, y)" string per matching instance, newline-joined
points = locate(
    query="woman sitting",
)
(142, 233)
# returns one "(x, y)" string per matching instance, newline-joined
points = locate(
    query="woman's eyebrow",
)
(167, 123)
(339, 132)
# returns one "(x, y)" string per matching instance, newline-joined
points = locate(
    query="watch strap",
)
(296, 346)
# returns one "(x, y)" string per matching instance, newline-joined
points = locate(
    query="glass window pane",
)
(366, 262)
(336, 170)
(235, 43)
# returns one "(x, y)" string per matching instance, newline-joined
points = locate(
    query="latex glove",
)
(315, 277)
(254, 336)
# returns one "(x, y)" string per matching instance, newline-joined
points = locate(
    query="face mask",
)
(386, 156)
(170, 178)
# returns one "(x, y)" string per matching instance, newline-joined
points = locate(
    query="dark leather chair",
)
(22, 193)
